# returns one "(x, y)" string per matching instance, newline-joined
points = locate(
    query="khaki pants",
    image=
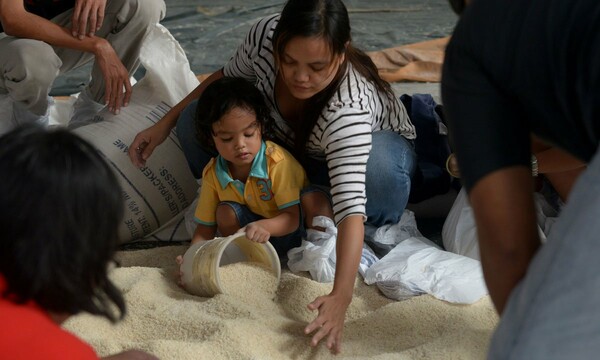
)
(29, 67)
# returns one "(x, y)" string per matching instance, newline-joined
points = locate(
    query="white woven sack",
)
(165, 187)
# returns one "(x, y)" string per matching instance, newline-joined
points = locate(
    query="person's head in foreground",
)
(312, 46)
(59, 214)
(233, 119)
(60, 208)
(458, 6)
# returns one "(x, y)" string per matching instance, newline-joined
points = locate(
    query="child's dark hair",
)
(60, 209)
(327, 19)
(223, 95)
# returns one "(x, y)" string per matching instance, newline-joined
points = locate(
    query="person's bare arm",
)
(504, 211)
(559, 167)
(146, 141)
(284, 223)
(554, 160)
(17, 22)
(332, 307)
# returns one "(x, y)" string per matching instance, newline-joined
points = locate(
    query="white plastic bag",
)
(316, 254)
(168, 71)
(158, 193)
(386, 237)
(417, 266)
(367, 259)
(459, 234)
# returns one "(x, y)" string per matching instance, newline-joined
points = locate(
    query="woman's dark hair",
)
(327, 19)
(223, 95)
(60, 209)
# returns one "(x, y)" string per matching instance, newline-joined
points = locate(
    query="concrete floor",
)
(209, 31)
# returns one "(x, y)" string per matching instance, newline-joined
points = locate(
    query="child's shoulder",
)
(210, 167)
(277, 153)
(282, 166)
(278, 157)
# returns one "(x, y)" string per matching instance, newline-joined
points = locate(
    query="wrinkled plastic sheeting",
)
(168, 71)
(367, 259)
(386, 237)
(316, 254)
(417, 266)
(459, 233)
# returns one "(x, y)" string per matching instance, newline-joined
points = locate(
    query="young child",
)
(252, 184)
(60, 208)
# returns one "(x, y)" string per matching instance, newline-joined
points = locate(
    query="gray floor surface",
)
(210, 31)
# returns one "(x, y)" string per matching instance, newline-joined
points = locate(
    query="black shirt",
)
(518, 67)
(47, 8)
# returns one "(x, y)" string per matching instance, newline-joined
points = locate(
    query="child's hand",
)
(256, 233)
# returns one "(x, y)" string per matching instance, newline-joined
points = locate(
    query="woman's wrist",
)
(344, 292)
(452, 166)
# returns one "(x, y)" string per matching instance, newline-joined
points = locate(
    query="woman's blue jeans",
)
(390, 167)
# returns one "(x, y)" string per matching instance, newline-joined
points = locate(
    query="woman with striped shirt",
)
(338, 117)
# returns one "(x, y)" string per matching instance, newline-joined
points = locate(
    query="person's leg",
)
(232, 216)
(196, 155)
(315, 201)
(553, 312)
(283, 244)
(390, 167)
(29, 68)
(126, 23)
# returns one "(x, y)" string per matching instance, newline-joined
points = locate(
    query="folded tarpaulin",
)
(420, 61)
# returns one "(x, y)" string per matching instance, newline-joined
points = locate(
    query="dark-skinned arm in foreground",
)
(506, 224)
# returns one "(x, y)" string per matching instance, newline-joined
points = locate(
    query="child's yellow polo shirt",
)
(274, 183)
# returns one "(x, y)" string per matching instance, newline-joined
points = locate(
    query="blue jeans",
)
(553, 312)
(390, 168)
(282, 244)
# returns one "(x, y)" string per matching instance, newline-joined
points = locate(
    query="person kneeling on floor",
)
(41, 39)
